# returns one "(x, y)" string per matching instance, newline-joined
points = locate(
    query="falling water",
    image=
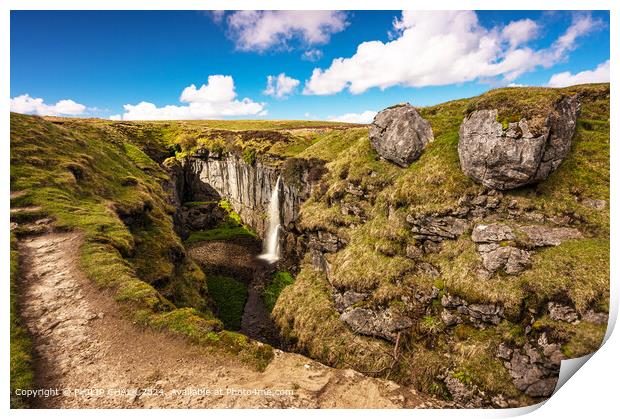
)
(271, 245)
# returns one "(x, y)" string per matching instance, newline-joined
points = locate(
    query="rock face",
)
(384, 324)
(247, 187)
(498, 249)
(456, 310)
(201, 217)
(399, 134)
(507, 159)
(511, 259)
(320, 243)
(534, 367)
(540, 236)
(437, 228)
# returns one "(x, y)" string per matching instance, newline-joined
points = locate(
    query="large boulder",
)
(519, 155)
(399, 134)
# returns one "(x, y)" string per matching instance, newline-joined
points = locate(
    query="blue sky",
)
(343, 65)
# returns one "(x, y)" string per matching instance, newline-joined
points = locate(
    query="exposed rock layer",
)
(247, 187)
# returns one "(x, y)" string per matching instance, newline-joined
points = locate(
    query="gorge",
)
(315, 238)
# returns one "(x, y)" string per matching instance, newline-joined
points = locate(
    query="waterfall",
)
(271, 243)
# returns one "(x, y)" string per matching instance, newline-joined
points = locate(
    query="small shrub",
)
(249, 156)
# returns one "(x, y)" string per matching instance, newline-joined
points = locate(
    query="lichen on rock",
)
(509, 158)
(399, 134)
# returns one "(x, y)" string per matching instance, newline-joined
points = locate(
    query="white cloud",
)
(260, 30)
(312, 55)
(280, 86)
(36, 106)
(216, 99)
(356, 118)
(441, 48)
(582, 25)
(516, 85)
(519, 32)
(599, 75)
(218, 89)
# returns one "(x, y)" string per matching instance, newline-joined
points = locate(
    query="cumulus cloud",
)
(599, 75)
(280, 86)
(520, 32)
(216, 99)
(218, 89)
(312, 55)
(365, 117)
(37, 106)
(260, 30)
(441, 48)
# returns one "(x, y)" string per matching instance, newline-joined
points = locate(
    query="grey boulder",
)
(507, 159)
(399, 134)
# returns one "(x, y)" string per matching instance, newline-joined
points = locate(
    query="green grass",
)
(229, 296)
(279, 281)
(219, 233)
(305, 314)
(22, 374)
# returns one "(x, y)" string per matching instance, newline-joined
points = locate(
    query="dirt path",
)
(84, 343)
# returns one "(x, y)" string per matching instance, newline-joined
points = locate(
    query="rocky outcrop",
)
(510, 259)
(344, 300)
(201, 217)
(541, 236)
(562, 313)
(499, 248)
(534, 367)
(466, 395)
(399, 134)
(568, 314)
(321, 242)
(437, 228)
(513, 157)
(385, 324)
(456, 310)
(491, 233)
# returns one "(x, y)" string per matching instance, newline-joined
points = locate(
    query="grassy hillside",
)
(374, 260)
(88, 176)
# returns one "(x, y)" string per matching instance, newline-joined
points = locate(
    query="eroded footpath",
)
(97, 358)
